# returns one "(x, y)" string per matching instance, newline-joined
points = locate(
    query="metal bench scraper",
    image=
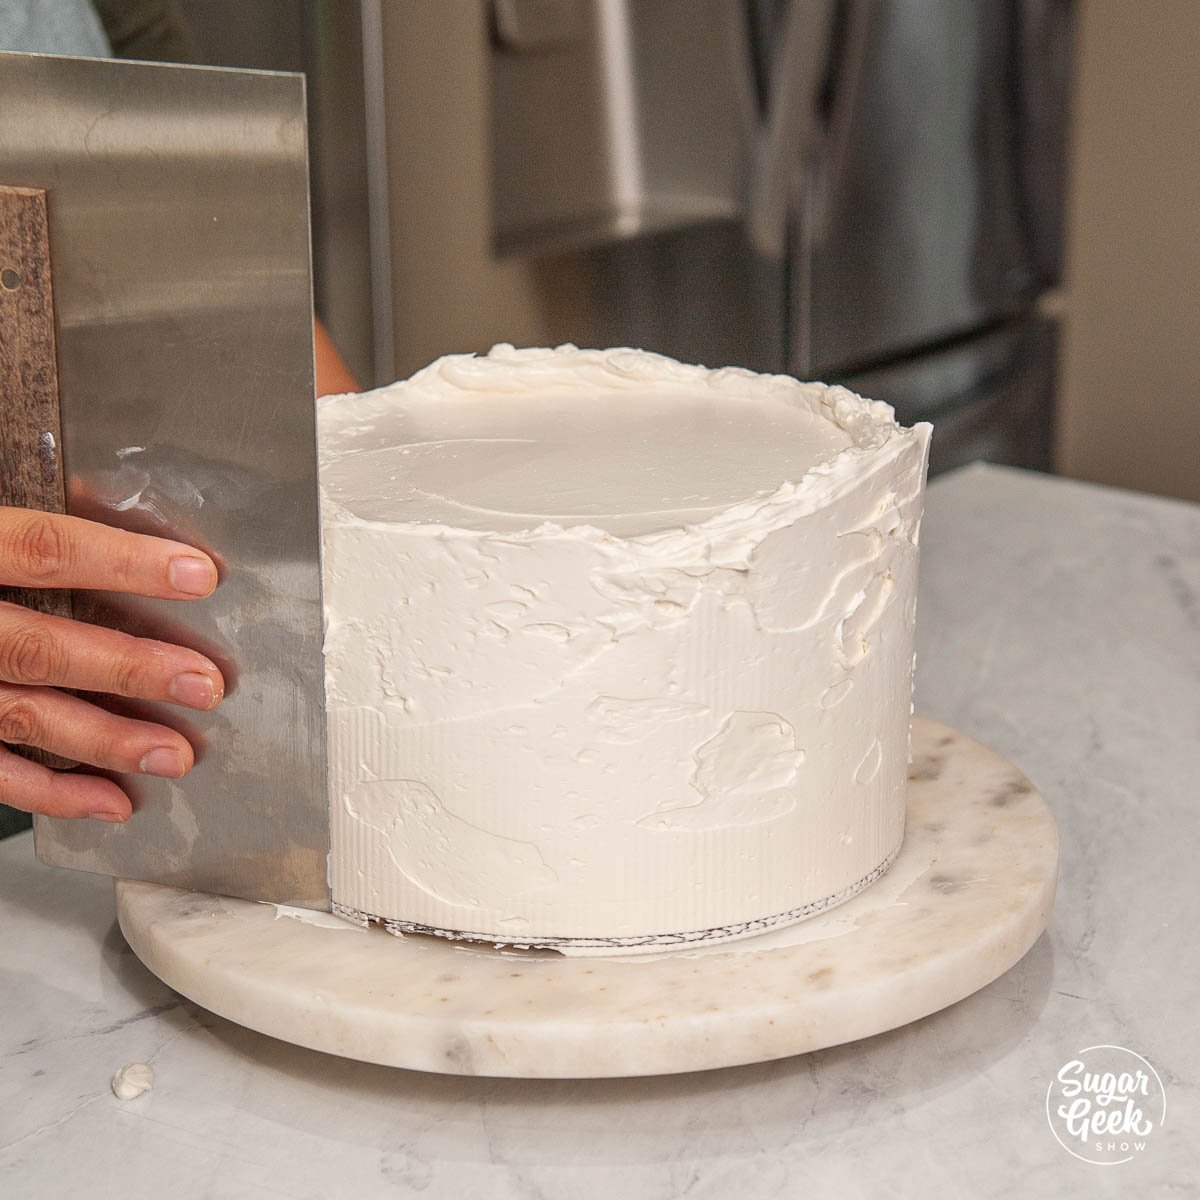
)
(171, 204)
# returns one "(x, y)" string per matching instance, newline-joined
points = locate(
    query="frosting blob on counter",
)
(619, 650)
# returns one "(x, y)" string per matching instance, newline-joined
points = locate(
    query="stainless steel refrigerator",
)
(861, 191)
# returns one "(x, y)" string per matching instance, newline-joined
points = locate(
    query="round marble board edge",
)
(968, 895)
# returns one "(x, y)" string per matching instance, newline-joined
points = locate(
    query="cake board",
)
(967, 896)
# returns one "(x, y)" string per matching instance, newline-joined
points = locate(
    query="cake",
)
(619, 650)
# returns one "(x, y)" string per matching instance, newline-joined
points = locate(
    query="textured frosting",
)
(619, 650)
(132, 1081)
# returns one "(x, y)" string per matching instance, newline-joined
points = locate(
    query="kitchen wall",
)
(1130, 399)
(448, 291)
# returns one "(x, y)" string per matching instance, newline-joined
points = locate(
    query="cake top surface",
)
(621, 440)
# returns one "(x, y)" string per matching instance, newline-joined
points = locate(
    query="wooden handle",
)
(31, 473)
(30, 458)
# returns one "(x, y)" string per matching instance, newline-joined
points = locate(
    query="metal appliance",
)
(862, 191)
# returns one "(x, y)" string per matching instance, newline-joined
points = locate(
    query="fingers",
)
(44, 550)
(75, 729)
(36, 789)
(41, 650)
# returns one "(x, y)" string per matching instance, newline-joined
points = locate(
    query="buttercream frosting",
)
(132, 1080)
(619, 650)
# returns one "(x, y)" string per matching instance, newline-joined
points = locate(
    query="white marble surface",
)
(1059, 623)
(967, 896)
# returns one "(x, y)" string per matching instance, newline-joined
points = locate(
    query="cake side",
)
(557, 735)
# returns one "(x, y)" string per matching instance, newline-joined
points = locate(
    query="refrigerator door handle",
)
(852, 49)
(1040, 73)
(787, 139)
(802, 144)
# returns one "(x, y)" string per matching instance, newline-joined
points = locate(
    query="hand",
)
(40, 653)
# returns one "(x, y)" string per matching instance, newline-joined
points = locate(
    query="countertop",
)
(1060, 623)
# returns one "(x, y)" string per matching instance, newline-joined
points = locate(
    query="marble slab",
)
(1059, 624)
(969, 893)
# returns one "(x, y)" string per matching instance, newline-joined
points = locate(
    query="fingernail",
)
(112, 817)
(194, 690)
(193, 576)
(164, 762)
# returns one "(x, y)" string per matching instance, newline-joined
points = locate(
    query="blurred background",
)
(986, 212)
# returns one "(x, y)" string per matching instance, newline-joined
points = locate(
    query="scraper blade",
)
(179, 247)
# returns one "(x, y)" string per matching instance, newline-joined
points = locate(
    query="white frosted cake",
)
(619, 651)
